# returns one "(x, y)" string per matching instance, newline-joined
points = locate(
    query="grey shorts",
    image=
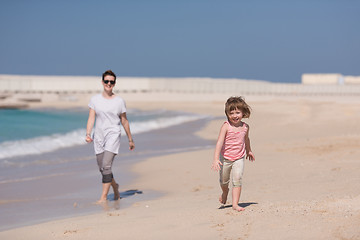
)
(105, 161)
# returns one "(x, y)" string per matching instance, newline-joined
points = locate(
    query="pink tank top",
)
(234, 143)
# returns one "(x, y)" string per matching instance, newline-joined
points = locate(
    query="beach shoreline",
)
(305, 175)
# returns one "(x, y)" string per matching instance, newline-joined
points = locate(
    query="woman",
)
(109, 111)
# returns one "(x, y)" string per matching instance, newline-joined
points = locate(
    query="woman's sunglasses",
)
(111, 82)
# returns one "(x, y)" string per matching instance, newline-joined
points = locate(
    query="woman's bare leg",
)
(115, 187)
(105, 191)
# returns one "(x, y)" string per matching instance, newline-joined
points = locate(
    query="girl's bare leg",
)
(235, 199)
(223, 196)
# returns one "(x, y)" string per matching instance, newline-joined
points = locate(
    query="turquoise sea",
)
(24, 132)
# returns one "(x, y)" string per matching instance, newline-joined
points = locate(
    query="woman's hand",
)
(131, 145)
(88, 139)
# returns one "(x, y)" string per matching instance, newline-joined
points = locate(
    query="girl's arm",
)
(125, 123)
(90, 125)
(216, 162)
(249, 153)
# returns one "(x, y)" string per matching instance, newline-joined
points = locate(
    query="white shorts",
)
(237, 168)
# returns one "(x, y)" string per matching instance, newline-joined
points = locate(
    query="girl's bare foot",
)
(238, 208)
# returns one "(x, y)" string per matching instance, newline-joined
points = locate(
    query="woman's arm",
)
(125, 123)
(90, 125)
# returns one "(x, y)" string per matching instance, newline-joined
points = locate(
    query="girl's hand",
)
(88, 139)
(131, 145)
(216, 165)
(250, 156)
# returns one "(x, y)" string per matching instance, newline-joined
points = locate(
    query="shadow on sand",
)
(124, 194)
(244, 205)
(112, 204)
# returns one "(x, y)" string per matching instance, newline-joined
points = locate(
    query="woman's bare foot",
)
(103, 204)
(238, 208)
(116, 193)
(101, 201)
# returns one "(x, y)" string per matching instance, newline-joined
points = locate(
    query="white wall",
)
(72, 84)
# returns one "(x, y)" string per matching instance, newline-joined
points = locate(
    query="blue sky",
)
(274, 40)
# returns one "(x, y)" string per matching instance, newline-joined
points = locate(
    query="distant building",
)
(329, 79)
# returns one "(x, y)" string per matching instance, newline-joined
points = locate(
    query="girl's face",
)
(235, 116)
(108, 82)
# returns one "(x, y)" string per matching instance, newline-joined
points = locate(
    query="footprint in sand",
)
(70, 232)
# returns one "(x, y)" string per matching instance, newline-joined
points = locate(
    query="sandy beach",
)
(304, 183)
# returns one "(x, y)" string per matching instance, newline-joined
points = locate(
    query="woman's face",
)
(108, 82)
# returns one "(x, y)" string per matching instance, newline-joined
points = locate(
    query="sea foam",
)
(53, 142)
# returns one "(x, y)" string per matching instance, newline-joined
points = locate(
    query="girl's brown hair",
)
(239, 103)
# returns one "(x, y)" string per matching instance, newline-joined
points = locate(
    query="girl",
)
(109, 111)
(232, 146)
